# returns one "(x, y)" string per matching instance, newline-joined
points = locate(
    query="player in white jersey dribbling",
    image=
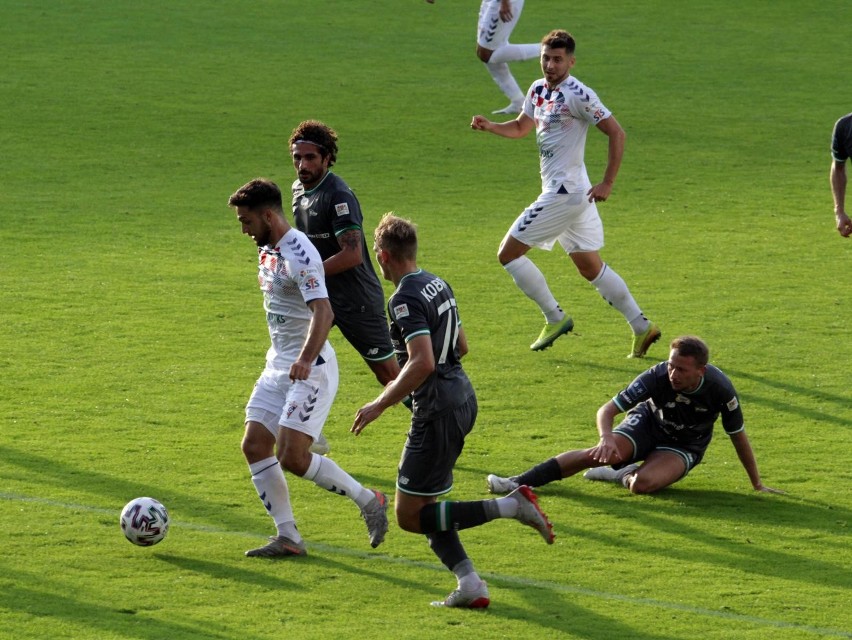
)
(292, 398)
(561, 108)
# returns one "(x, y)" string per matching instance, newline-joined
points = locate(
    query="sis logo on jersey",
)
(400, 311)
(733, 403)
(310, 282)
(342, 209)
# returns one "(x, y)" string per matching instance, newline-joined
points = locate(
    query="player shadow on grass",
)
(722, 546)
(45, 472)
(841, 403)
(230, 573)
(557, 610)
(549, 608)
(42, 597)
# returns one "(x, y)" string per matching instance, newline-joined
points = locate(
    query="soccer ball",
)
(144, 521)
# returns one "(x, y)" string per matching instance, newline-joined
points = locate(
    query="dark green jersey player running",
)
(327, 211)
(430, 343)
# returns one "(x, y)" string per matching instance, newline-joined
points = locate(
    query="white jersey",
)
(290, 275)
(562, 117)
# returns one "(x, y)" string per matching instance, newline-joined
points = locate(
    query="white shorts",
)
(491, 32)
(569, 218)
(302, 406)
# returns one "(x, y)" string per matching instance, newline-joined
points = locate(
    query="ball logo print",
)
(144, 521)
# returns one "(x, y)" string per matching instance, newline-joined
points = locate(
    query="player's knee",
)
(483, 54)
(638, 485)
(386, 371)
(254, 449)
(406, 519)
(295, 461)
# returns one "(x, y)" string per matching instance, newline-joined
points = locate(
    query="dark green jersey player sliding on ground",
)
(429, 342)
(327, 211)
(671, 408)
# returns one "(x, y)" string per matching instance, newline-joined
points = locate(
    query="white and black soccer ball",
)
(144, 521)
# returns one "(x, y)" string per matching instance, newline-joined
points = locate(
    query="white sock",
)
(271, 485)
(513, 52)
(613, 289)
(325, 473)
(506, 81)
(508, 507)
(623, 474)
(531, 281)
(470, 582)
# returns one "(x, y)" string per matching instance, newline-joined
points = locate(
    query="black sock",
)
(446, 515)
(447, 546)
(541, 474)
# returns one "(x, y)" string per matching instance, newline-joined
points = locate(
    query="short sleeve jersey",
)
(685, 417)
(423, 304)
(323, 213)
(290, 275)
(841, 139)
(562, 118)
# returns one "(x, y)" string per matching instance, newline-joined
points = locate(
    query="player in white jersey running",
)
(497, 20)
(292, 398)
(561, 108)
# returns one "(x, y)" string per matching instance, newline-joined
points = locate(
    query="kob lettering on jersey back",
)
(432, 289)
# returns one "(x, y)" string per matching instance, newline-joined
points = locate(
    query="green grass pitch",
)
(131, 329)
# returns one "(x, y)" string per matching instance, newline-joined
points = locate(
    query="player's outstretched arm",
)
(517, 128)
(746, 456)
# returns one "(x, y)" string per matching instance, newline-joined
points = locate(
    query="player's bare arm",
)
(321, 321)
(610, 127)
(517, 128)
(462, 343)
(838, 191)
(418, 367)
(505, 10)
(746, 455)
(349, 256)
(606, 451)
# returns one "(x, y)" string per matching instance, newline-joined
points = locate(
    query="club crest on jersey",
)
(733, 403)
(342, 209)
(400, 311)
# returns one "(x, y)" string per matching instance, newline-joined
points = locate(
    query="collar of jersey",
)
(696, 389)
(413, 273)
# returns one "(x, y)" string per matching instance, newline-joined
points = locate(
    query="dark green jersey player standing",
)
(430, 343)
(326, 210)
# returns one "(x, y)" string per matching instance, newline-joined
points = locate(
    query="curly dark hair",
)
(319, 134)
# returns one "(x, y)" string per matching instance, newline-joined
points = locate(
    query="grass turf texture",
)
(132, 329)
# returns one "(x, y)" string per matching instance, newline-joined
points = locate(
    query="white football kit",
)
(491, 32)
(290, 275)
(562, 212)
